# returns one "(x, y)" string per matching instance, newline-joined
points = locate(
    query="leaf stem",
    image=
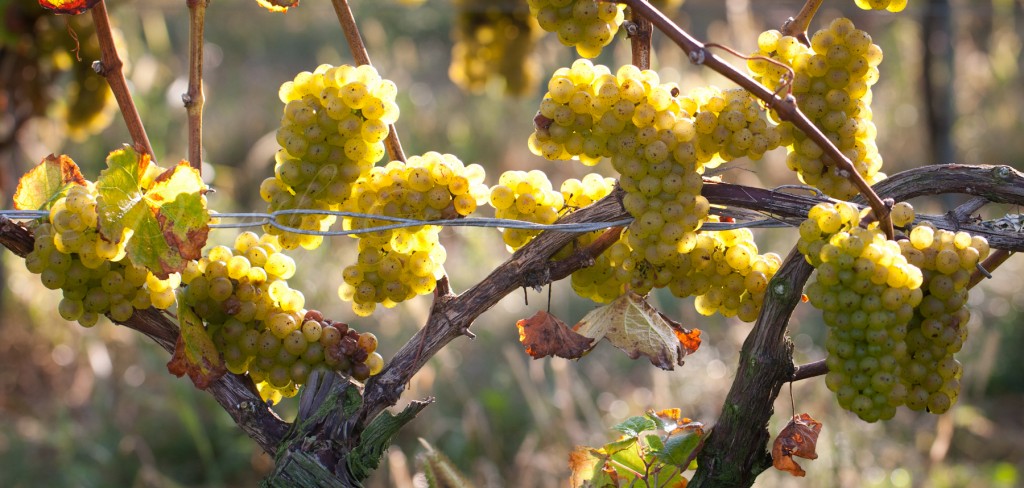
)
(110, 67)
(361, 57)
(194, 98)
(786, 107)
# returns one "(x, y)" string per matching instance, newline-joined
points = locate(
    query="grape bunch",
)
(726, 273)
(867, 291)
(397, 264)
(259, 324)
(494, 38)
(890, 5)
(93, 274)
(938, 329)
(332, 131)
(832, 85)
(589, 25)
(605, 280)
(730, 124)
(527, 196)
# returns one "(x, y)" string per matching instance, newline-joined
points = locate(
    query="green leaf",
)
(678, 448)
(166, 217)
(616, 446)
(47, 182)
(195, 354)
(629, 463)
(633, 426)
(654, 442)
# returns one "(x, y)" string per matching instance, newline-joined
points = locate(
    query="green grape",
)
(533, 200)
(890, 5)
(938, 327)
(589, 25)
(831, 83)
(867, 291)
(494, 39)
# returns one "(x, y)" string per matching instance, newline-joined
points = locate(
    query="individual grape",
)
(890, 5)
(902, 214)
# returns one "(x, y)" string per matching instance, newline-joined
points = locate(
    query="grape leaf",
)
(167, 216)
(195, 353)
(585, 463)
(278, 5)
(680, 446)
(47, 182)
(545, 335)
(635, 425)
(637, 328)
(798, 438)
(73, 7)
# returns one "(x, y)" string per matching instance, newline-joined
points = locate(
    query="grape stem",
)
(786, 107)
(194, 98)
(640, 32)
(797, 26)
(110, 67)
(361, 57)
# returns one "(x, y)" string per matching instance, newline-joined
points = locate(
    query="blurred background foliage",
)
(96, 408)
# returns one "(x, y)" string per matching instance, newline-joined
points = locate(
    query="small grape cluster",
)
(939, 326)
(259, 324)
(604, 280)
(589, 25)
(832, 85)
(94, 275)
(867, 291)
(731, 124)
(890, 5)
(397, 264)
(332, 131)
(527, 196)
(726, 274)
(494, 38)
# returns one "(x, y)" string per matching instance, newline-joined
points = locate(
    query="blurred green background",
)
(96, 407)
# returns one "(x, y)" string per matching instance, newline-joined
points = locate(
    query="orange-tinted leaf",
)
(584, 463)
(278, 5)
(47, 182)
(689, 339)
(545, 335)
(799, 438)
(195, 354)
(638, 329)
(72, 7)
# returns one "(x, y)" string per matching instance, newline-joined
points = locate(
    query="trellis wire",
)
(243, 220)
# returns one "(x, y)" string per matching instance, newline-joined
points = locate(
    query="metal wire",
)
(243, 220)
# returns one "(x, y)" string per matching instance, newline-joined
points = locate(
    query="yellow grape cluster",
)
(494, 38)
(890, 5)
(589, 25)
(832, 85)
(527, 196)
(731, 124)
(397, 264)
(332, 131)
(726, 273)
(867, 291)
(939, 326)
(93, 274)
(605, 280)
(257, 321)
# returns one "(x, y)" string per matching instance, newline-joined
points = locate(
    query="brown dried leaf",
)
(545, 335)
(798, 438)
(637, 328)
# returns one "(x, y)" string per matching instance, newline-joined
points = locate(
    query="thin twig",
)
(109, 66)
(194, 98)
(797, 26)
(994, 260)
(786, 107)
(810, 370)
(361, 57)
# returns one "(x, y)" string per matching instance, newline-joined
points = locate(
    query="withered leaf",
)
(638, 329)
(798, 438)
(545, 335)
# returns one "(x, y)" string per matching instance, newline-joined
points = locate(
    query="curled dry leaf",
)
(545, 335)
(799, 438)
(638, 329)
